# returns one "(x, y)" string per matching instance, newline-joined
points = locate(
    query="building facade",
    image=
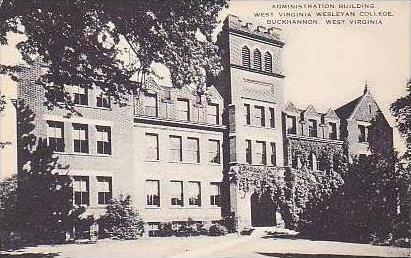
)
(176, 151)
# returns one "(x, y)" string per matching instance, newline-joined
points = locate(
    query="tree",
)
(80, 42)
(121, 220)
(43, 204)
(401, 109)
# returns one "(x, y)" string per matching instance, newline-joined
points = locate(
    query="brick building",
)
(175, 151)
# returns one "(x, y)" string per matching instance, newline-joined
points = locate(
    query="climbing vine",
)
(297, 190)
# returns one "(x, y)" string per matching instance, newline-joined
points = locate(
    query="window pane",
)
(151, 148)
(248, 152)
(194, 193)
(261, 153)
(213, 114)
(215, 194)
(214, 151)
(193, 150)
(151, 105)
(175, 145)
(182, 109)
(153, 192)
(176, 193)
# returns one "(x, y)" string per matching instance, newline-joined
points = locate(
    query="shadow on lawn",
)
(292, 255)
(29, 255)
(281, 235)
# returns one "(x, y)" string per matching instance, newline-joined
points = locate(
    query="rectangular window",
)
(272, 117)
(176, 193)
(153, 193)
(214, 151)
(247, 113)
(332, 131)
(104, 189)
(175, 145)
(196, 113)
(183, 109)
(103, 139)
(81, 190)
(80, 95)
(80, 137)
(151, 105)
(362, 137)
(294, 161)
(215, 194)
(312, 128)
(55, 135)
(261, 153)
(102, 99)
(248, 152)
(194, 194)
(192, 150)
(213, 114)
(291, 125)
(260, 115)
(273, 154)
(151, 147)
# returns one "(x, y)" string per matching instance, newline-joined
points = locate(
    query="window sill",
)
(83, 154)
(258, 126)
(184, 162)
(194, 207)
(215, 207)
(152, 160)
(215, 164)
(152, 207)
(176, 207)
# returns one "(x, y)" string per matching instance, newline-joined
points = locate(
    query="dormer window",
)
(312, 128)
(151, 105)
(245, 56)
(268, 63)
(332, 131)
(291, 125)
(363, 133)
(257, 59)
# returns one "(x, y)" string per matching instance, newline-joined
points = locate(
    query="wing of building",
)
(176, 152)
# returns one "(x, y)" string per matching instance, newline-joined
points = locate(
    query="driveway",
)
(259, 244)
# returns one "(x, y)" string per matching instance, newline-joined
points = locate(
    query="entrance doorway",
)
(263, 210)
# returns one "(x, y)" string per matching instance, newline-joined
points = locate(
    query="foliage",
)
(298, 189)
(8, 218)
(217, 230)
(2, 107)
(44, 204)
(81, 41)
(401, 109)
(121, 220)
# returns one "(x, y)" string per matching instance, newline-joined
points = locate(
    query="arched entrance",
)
(263, 210)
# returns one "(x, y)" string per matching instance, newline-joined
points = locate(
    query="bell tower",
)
(253, 92)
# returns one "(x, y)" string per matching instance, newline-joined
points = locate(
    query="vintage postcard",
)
(215, 128)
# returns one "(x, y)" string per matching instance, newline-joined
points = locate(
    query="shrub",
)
(121, 220)
(217, 230)
(165, 229)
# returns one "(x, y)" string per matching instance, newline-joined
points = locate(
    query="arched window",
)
(245, 56)
(257, 59)
(268, 62)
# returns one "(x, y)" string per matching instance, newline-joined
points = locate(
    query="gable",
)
(366, 109)
(290, 108)
(311, 112)
(331, 115)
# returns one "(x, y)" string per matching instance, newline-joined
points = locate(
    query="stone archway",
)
(263, 210)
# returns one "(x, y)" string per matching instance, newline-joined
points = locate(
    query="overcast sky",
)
(327, 66)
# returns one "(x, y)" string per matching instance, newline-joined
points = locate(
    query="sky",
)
(327, 66)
